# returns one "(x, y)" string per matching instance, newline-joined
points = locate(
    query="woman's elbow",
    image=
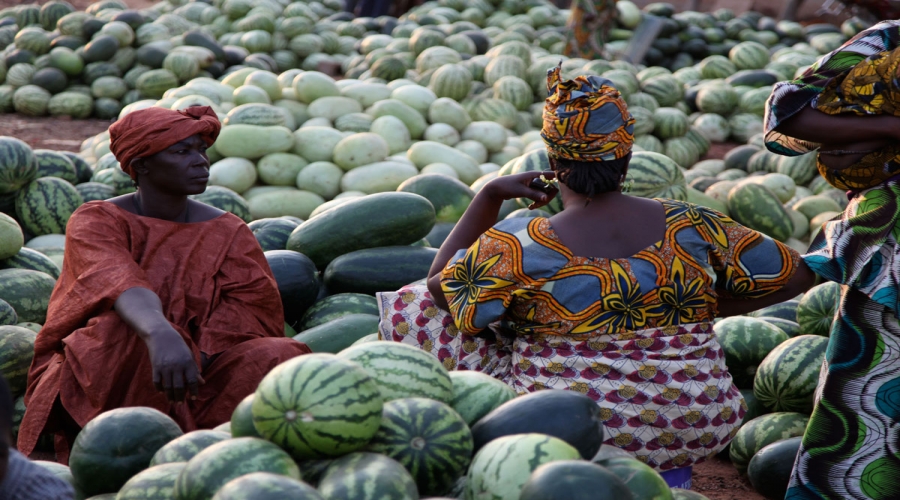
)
(804, 279)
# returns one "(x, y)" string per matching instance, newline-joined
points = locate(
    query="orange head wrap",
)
(148, 131)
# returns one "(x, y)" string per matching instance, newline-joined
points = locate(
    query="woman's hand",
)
(174, 369)
(525, 185)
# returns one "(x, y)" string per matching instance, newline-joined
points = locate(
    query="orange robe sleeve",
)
(248, 304)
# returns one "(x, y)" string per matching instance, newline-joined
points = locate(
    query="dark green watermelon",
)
(187, 446)
(770, 468)
(784, 310)
(266, 486)
(18, 166)
(29, 258)
(298, 282)
(815, 312)
(227, 200)
(155, 483)
(16, 352)
(8, 315)
(242, 419)
(790, 328)
(574, 480)
(272, 233)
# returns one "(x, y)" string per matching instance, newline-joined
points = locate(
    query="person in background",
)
(614, 296)
(847, 106)
(588, 27)
(21, 479)
(163, 301)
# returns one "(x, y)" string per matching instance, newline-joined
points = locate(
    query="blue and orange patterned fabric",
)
(634, 334)
(586, 119)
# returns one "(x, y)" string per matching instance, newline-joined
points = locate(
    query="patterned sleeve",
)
(789, 98)
(748, 264)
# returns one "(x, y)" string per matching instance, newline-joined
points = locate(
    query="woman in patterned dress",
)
(613, 297)
(588, 26)
(847, 106)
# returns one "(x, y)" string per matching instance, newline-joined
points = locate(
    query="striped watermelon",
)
(643, 120)
(816, 310)
(186, 447)
(786, 380)
(367, 476)
(719, 99)
(754, 101)
(682, 150)
(649, 143)
(800, 168)
(514, 90)
(625, 82)
(670, 122)
(155, 483)
(716, 66)
(790, 328)
(95, 191)
(476, 394)
(28, 258)
(756, 207)
(744, 126)
(746, 342)
(8, 315)
(388, 68)
(317, 405)
(55, 164)
(272, 233)
(242, 418)
(227, 200)
(493, 110)
(753, 407)
(336, 306)
(666, 89)
(427, 437)
(45, 205)
(652, 175)
(503, 466)
(215, 466)
(643, 100)
(266, 486)
(28, 292)
(402, 371)
(11, 236)
(763, 431)
(16, 351)
(453, 81)
(749, 55)
(18, 166)
(536, 161)
(501, 66)
(354, 122)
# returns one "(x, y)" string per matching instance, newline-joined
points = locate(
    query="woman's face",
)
(181, 169)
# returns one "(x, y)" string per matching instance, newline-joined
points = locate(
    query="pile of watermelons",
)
(342, 179)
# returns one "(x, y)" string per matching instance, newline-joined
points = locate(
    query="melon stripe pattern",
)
(402, 371)
(762, 431)
(317, 405)
(17, 165)
(28, 292)
(476, 394)
(652, 175)
(427, 437)
(45, 205)
(8, 315)
(786, 380)
(367, 476)
(151, 484)
(16, 352)
(187, 446)
(28, 258)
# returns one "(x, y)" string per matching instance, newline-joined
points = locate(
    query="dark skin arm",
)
(481, 216)
(800, 282)
(813, 125)
(174, 369)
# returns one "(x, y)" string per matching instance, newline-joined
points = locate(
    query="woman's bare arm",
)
(813, 125)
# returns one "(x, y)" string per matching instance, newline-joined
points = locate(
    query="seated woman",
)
(613, 297)
(160, 298)
(847, 106)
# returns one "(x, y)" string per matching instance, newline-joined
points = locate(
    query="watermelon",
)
(746, 342)
(28, 292)
(8, 315)
(266, 486)
(749, 55)
(753, 407)
(784, 310)
(756, 207)
(790, 328)
(115, 446)
(11, 237)
(503, 466)
(16, 352)
(45, 205)
(18, 166)
(402, 371)
(718, 99)
(28, 258)
(187, 446)
(574, 480)
(669, 123)
(452, 81)
(298, 282)
(817, 308)
(242, 419)
(317, 405)
(367, 476)
(155, 483)
(639, 478)
(680, 494)
(652, 175)
(374, 270)
(215, 466)
(666, 89)
(449, 196)
(536, 161)
(95, 191)
(770, 468)
(428, 438)
(55, 164)
(225, 199)
(476, 394)
(404, 218)
(336, 306)
(762, 431)
(786, 380)
(339, 333)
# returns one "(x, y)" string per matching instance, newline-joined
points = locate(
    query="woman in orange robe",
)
(163, 301)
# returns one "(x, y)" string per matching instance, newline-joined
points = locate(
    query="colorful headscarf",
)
(586, 119)
(149, 131)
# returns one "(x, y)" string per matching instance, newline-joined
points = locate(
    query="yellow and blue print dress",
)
(635, 334)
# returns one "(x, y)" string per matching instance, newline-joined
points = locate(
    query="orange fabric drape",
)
(216, 289)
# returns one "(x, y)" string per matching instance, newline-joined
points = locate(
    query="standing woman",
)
(613, 297)
(847, 106)
(588, 27)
